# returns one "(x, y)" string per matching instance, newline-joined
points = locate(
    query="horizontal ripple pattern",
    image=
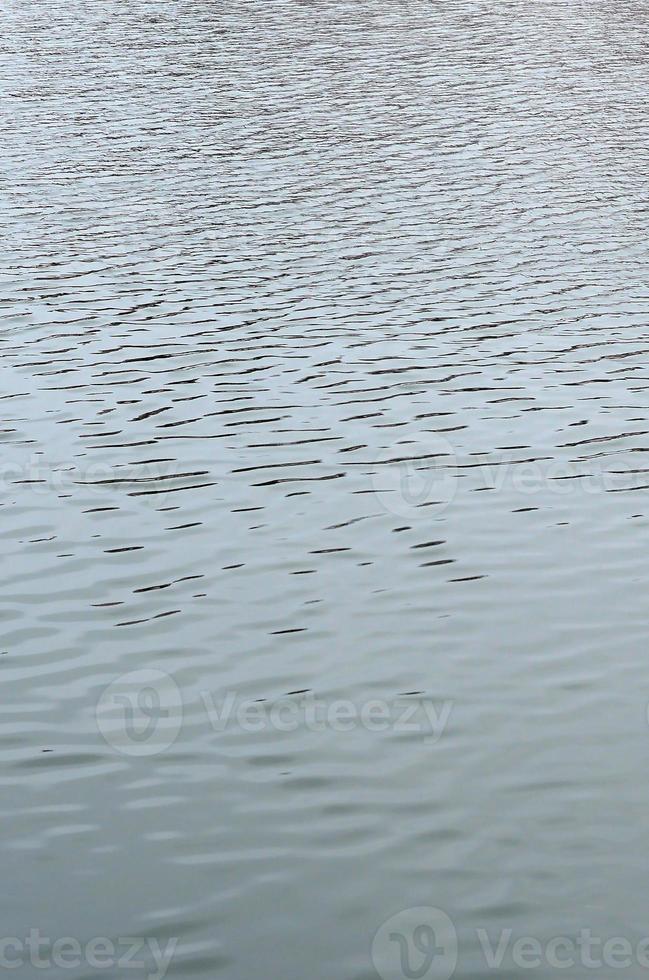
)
(323, 371)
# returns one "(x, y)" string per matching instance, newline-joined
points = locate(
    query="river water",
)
(324, 413)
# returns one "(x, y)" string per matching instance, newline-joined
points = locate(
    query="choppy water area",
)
(323, 364)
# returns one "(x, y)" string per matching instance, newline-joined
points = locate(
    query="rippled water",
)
(324, 381)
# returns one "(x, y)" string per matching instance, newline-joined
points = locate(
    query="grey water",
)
(324, 408)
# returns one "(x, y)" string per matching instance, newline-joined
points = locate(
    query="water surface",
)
(323, 364)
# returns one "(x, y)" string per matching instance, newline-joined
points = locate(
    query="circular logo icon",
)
(416, 944)
(415, 473)
(141, 712)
